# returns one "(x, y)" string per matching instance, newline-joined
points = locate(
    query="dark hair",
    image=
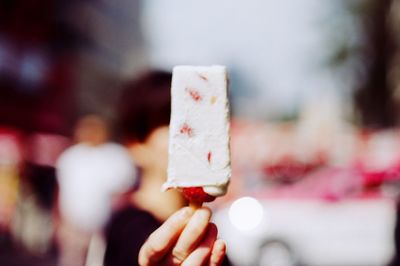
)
(145, 105)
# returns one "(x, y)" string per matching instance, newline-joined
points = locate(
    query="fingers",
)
(187, 238)
(160, 241)
(191, 235)
(218, 253)
(201, 254)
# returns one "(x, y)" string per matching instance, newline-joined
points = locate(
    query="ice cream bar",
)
(199, 153)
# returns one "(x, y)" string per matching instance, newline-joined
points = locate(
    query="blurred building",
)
(36, 60)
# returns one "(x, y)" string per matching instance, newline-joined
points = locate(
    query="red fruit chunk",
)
(186, 129)
(194, 94)
(197, 195)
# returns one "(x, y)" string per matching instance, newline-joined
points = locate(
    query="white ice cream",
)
(199, 152)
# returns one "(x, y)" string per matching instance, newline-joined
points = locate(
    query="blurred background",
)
(315, 97)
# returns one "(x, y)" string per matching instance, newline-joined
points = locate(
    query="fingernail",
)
(203, 213)
(221, 245)
(186, 212)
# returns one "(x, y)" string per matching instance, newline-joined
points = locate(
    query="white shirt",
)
(88, 177)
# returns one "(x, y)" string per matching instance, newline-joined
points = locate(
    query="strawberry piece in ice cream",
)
(197, 194)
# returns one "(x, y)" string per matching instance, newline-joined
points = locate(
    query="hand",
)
(187, 238)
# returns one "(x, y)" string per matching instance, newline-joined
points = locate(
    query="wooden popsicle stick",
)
(195, 205)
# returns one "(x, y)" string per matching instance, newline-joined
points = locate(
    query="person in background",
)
(33, 224)
(10, 160)
(143, 115)
(91, 174)
(187, 236)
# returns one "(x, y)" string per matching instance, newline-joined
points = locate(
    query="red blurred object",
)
(197, 195)
(330, 184)
(289, 170)
(11, 150)
(44, 149)
(374, 178)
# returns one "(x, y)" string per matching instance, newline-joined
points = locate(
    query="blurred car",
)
(327, 218)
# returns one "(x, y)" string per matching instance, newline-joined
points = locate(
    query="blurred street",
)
(85, 101)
